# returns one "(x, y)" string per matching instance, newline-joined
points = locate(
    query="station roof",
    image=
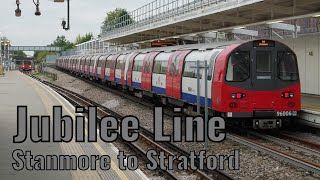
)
(222, 15)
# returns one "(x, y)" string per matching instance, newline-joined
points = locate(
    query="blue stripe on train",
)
(192, 99)
(136, 84)
(158, 90)
(107, 78)
(118, 80)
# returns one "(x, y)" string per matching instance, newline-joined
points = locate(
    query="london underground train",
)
(251, 83)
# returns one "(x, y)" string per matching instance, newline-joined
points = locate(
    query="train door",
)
(129, 72)
(113, 63)
(103, 67)
(174, 73)
(119, 67)
(123, 69)
(263, 73)
(83, 65)
(147, 71)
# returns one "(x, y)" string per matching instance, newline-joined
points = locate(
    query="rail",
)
(298, 162)
(168, 147)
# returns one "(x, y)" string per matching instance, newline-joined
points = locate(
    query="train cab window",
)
(27, 62)
(238, 66)
(287, 66)
(190, 71)
(264, 61)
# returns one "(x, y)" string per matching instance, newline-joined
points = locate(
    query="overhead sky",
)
(86, 16)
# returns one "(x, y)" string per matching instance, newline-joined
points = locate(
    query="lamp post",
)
(2, 51)
(200, 65)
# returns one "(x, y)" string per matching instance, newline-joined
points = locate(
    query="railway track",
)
(302, 141)
(276, 140)
(298, 162)
(280, 155)
(145, 141)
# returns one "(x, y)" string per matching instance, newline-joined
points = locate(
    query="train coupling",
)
(267, 123)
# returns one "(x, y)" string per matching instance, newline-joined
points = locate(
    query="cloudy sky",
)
(86, 16)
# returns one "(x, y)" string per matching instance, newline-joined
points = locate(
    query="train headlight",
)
(238, 95)
(287, 95)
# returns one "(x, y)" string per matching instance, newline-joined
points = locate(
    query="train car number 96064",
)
(287, 113)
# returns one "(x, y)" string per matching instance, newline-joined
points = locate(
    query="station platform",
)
(310, 102)
(17, 89)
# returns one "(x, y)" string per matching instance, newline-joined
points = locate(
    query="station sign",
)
(162, 44)
(263, 43)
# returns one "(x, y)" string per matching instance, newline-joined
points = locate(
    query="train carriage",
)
(253, 82)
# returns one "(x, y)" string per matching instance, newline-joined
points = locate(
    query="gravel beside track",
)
(253, 164)
(315, 138)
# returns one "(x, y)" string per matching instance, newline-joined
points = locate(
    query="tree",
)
(61, 41)
(113, 19)
(42, 56)
(81, 39)
(19, 55)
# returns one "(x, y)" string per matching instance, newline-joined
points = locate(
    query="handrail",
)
(162, 10)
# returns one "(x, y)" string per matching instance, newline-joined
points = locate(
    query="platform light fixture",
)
(65, 24)
(37, 13)
(318, 15)
(18, 10)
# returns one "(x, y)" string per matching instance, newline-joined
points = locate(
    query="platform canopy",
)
(163, 19)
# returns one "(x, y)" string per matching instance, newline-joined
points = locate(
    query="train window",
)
(137, 66)
(164, 65)
(88, 61)
(238, 66)
(92, 62)
(190, 71)
(108, 64)
(27, 62)
(211, 65)
(119, 64)
(160, 67)
(287, 65)
(177, 63)
(147, 65)
(264, 61)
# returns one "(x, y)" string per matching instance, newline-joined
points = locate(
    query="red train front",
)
(257, 83)
(26, 66)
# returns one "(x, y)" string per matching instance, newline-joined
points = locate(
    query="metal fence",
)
(161, 10)
(51, 59)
